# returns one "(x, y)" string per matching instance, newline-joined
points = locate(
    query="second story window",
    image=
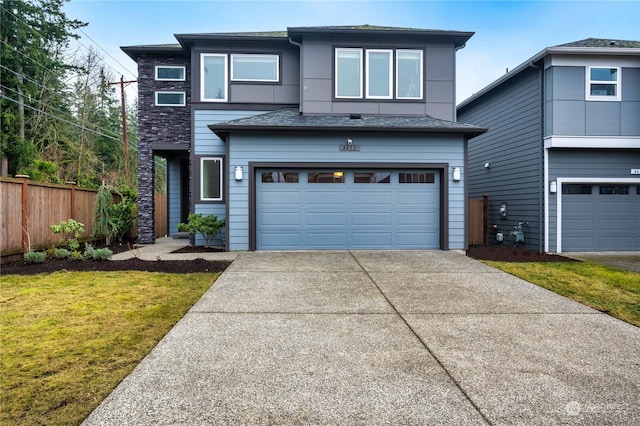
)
(603, 83)
(170, 73)
(214, 77)
(252, 67)
(382, 70)
(170, 98)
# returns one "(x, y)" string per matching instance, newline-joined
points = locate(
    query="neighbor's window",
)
(247, 67)
(417, 178)
(170, 99)
(603, 83)
(170, 73)
(348, 73)
(379, 74)
(211, 179)
(280, 177)
(373, 177)
(409, 74)
(214, 77)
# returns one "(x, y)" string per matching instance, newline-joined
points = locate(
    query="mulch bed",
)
(513, 254)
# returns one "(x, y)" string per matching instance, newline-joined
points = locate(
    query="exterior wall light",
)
(456, 174)
(553, 187)
(238, 172)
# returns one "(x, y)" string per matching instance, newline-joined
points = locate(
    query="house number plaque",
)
(349, 147)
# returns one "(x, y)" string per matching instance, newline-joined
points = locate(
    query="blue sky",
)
(506, 32)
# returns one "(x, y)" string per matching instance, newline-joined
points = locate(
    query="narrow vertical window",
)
(348, 73)
(409, 74)
(214, 77)
(379, 74)
(211, 179)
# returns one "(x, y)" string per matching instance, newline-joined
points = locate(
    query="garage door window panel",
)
(371, 177)
(326, 177)
(417, 178)
(280, 177)
(614, 189)
(572, 189)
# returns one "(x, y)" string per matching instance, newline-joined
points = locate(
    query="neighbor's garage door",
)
(344, 209)
(600, 217)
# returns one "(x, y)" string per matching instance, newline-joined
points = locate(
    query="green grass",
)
(68, 338)
(603, 288)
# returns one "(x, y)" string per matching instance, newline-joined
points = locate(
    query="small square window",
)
(170, 73)
(211, 179)
(170, 99)
(603, 84)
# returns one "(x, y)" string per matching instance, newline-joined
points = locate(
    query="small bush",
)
(76, 255)
(96, 254)
(35, 257)
(70, 231)
(61, 253)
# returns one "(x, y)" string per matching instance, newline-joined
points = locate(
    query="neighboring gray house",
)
(563, 149)
(313, 138)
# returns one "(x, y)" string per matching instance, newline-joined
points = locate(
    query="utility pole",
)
(125, 141)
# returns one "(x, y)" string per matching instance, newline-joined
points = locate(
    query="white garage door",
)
(345, 209)
(601, 217)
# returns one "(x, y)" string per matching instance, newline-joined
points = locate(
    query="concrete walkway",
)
(382, 337)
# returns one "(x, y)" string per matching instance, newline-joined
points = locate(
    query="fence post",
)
(73, 199)
(26, 244)
(485, 220)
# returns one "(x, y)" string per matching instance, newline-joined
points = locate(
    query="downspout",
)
(295, 43)
(543, 246)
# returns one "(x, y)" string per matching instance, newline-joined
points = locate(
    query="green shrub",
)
(61, 253)
(96, 254)
(70, 231)
(35, 257)
(209, 226)
(76, 255)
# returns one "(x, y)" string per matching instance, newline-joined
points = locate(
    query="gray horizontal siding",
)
(386, 149)
(513, 147)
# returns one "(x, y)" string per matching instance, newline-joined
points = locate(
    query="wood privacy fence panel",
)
(161, 228)
(11, 215)
(477, 221)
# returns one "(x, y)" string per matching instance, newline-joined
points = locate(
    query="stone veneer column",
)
(146, 200)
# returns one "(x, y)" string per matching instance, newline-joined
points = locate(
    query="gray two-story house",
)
(562, 153)
(313, 138)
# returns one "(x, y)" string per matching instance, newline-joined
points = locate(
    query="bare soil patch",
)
(513, 254)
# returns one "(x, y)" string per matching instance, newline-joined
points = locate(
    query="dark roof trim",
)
(556, 50)
(134, 51)
(267, 36)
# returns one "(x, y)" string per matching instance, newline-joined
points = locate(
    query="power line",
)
(58, 118)
(101, 48)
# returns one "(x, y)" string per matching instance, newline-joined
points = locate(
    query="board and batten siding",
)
(513, 148)
(591, 165)
(324, 148)
(570, 114)
(207, 143)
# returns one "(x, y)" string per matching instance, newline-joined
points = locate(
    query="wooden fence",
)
(28, 209)
(477, 221)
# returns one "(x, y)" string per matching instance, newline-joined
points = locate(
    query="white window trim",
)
(335, 71)
(184, 72)
(226, 76)
(368, 70)
(160, 92)
(617, 83)
(202, 160)
(250, 55)
(420, 51)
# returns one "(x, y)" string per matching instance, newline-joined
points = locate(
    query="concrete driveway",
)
(382, 337)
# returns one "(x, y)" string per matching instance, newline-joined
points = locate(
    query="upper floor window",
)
(348, 73)
(170, 73)
(170, 98)
(603, 83)
(379, 68)
(255, 67)
(214, 77)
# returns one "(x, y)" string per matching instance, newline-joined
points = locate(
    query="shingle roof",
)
(289, 119)
(602, 42)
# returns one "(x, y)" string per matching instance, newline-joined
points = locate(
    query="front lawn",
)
(603, 288)
(68, 338)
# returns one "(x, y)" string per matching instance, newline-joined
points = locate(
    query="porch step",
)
(179, 235)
